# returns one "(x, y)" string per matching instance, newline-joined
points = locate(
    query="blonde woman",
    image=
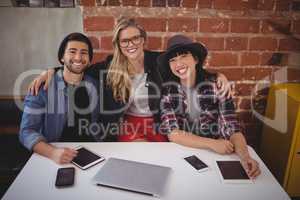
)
(130, 82)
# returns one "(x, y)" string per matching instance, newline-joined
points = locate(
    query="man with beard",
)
(64, 112)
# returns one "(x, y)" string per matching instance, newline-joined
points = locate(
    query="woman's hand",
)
(44, 77)
(251, 166)
(223, 86)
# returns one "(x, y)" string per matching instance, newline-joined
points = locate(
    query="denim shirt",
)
(45, 115)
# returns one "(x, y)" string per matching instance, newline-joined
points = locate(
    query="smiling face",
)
(131, 43)
(183, 66)
(76, 57)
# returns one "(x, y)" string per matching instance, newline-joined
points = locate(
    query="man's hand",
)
(223, 86)
(63, 155)
(251, 166)
(221, 146)
(46, 77)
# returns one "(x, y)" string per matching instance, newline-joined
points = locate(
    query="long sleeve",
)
(168, 117)
(32, 120)
(227, 117)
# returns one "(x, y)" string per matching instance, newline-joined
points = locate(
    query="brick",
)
(189, 3)
(154, 43)
(265, 4)
(293, 59)
(129, 3)
(205, 4)
(276, 26)
(256, 74)
(182, 24)
(221, 4)
(249, 58)
(232, 74)
(95, 42)
(296, 27)
(289, 44)
(244, 26)
(98, 57)
(159, 3)
(244, 89)
(263, 43)
(223, 59)
(106, 43)
(174, 3)
(213, 25)
(266, 59)
(98, 23)
(296, 6)
(108, 2)
(235, 4)
(152, 24)
(144, 3)
(283, 5)
(114, 2)
(294, 74)
(102, 3)
(236, 43)
(278, 59)
(212, 43)
(87, 2)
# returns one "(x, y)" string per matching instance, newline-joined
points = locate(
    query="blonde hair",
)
(118, 77)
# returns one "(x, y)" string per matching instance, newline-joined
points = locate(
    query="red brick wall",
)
(248, 40)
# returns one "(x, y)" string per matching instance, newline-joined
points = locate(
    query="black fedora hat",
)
(178, 42)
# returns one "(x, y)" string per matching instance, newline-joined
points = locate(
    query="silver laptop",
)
(133, 176)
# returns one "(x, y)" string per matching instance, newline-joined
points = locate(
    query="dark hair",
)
(74, 37)
(199, 69)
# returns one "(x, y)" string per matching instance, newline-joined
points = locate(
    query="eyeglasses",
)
(134, 40)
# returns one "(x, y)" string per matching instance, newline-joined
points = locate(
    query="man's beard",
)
(71, 68)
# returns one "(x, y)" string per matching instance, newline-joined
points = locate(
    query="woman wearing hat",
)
(130, 83)
(192, 112)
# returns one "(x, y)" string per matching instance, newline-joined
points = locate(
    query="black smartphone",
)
(196, 163)
(65, 177)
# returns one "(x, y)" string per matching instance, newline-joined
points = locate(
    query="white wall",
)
(29, 39)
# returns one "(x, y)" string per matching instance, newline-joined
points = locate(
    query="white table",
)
(37, 179)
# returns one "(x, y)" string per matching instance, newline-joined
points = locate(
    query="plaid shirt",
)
(217, 117)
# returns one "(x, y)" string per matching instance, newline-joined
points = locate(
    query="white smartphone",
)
(198, 164)
(86, 158)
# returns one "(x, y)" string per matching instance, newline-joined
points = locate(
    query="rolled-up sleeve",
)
(228, 117)
(32, 121)
(168, 117)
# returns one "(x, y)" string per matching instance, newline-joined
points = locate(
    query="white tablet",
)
(86, 158)
(232, 171)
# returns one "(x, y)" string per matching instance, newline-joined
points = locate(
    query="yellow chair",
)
(280, 144)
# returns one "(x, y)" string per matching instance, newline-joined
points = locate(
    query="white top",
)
(37, 179)
(192, 102)
(138, 101)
